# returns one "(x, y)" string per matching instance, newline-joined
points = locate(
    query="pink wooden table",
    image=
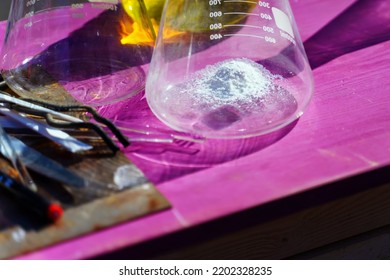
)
(345, 132)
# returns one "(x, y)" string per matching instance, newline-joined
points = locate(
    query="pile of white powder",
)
(233, 81)
(231, 91)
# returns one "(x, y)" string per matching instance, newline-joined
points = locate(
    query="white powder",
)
(233, 81)
(236, 92)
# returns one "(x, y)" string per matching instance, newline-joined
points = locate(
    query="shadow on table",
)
(363, 24)
(161, 162)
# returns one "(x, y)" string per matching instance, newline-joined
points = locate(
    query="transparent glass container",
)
(92, 52)
(228, 69)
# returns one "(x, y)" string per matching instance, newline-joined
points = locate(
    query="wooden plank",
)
(282, 229)
(343, 133)
(101, 203)
(93, 216)
(373, 245)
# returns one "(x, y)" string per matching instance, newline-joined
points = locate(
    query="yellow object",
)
(194, 16)
(147, 13)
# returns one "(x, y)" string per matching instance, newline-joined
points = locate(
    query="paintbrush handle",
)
(10, 153)
(29, 199)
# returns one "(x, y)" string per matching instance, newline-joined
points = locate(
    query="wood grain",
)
(299, 232)
(95, 206)
(281, 229)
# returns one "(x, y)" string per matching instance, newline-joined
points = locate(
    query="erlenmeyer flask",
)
(228, 69)
(77, 51)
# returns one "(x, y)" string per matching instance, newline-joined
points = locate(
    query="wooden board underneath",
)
(86, 210)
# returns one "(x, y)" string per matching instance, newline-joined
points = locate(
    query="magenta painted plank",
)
(344, 132)
(3, 26)
(311, 15)
(333, 140)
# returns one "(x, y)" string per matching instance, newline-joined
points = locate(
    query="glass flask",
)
(91, 52)
(228, 69)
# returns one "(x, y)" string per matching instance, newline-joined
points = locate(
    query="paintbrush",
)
(10, 153)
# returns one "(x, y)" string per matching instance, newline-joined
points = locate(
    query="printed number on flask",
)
(216, 26)
(270, 39)
(265, 16)
(215, 2)
(268, 29)
(216, 14)
(216, 36)
(264, 4)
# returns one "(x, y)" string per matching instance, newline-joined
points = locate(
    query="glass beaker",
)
(228, 69)
(65, 52)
